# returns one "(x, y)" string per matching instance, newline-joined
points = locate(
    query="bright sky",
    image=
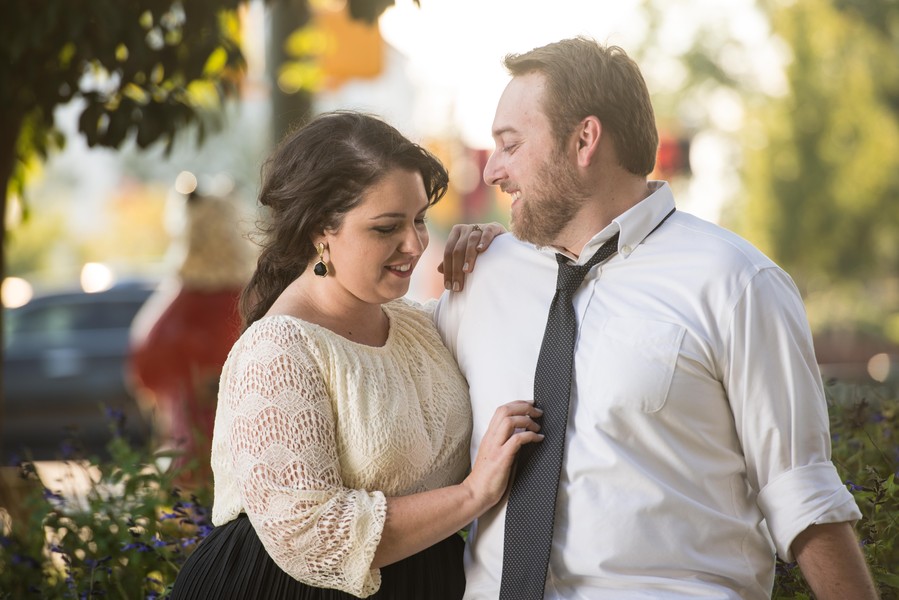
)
(456, 46)
(455, 49)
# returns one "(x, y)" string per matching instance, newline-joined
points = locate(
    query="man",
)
(697, 438)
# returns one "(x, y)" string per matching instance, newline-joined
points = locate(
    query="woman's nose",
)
(415, 241)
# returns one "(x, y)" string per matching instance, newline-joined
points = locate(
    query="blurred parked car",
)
(64, 379)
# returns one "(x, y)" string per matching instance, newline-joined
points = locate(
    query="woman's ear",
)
(322, 236)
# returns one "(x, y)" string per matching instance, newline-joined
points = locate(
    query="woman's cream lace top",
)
(312, 431)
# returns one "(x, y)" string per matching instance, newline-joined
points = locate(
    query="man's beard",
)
(550, 205)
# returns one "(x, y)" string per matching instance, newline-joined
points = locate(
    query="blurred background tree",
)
(822, 162)
(814, 146)
(143, 71)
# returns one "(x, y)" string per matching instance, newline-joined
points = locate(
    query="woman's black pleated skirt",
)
(232, 563)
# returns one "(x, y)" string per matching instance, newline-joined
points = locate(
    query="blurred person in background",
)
(340, 450)
(181, 336)
(697, 441)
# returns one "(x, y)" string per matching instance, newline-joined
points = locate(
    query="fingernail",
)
(480, 246)
(455, 286)
(465, 267)
(446, 285)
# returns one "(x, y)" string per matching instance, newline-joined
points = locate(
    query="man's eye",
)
(510, 148)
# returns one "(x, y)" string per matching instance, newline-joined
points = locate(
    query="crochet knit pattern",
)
(313, 431)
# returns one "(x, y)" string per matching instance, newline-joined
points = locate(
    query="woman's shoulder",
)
(408, 310)
(413, 319)
(278, 334)
(277, 326)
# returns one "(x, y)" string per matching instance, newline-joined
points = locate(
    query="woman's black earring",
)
(320, 268)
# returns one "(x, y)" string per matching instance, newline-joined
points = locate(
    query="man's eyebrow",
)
(502, 130)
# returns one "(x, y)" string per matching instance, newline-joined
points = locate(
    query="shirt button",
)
(625, 249)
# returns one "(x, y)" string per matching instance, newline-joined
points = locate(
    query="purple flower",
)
(117, 418)
(27, 561)
(139, 546)
(53, 496)
(68, 450)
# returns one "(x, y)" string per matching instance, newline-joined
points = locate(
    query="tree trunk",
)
(10, 126)
(287, 109)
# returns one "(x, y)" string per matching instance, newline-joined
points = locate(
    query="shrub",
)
(133, 529)
(125, 537)
(864, 421)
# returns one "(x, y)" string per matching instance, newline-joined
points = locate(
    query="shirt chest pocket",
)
(630, 364)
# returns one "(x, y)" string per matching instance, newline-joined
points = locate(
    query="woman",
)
(341, 440)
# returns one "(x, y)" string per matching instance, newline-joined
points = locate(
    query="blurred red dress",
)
(180, 359)
(182, 335)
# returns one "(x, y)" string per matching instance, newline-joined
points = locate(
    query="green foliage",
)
(822, 162)
(131, 64)
(134, 528)
(864, 423)
(144, 68)
(126, 537)
(369, 10)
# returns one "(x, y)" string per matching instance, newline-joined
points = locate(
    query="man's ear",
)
(588, 135)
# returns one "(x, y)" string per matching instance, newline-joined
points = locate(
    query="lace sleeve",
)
(286, 464)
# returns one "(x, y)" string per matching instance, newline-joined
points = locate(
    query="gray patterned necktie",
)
(531, 509)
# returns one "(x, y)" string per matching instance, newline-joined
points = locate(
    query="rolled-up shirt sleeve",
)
(285, 459)
(824, 500)
(776, 394)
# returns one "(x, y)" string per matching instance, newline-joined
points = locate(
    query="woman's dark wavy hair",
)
(316, 175)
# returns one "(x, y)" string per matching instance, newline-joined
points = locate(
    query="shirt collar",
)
(635, 223)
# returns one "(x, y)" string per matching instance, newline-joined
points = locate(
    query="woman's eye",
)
(386, 230)
(421, 220)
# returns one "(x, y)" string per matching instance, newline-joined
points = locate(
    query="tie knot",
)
(570, 276)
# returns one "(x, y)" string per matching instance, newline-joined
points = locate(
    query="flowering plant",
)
(123, 532)
(129, 533)
(864, 427)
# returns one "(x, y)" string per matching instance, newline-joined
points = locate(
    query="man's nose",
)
(492, 170)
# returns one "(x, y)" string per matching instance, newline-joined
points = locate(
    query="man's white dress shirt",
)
(698, 438)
